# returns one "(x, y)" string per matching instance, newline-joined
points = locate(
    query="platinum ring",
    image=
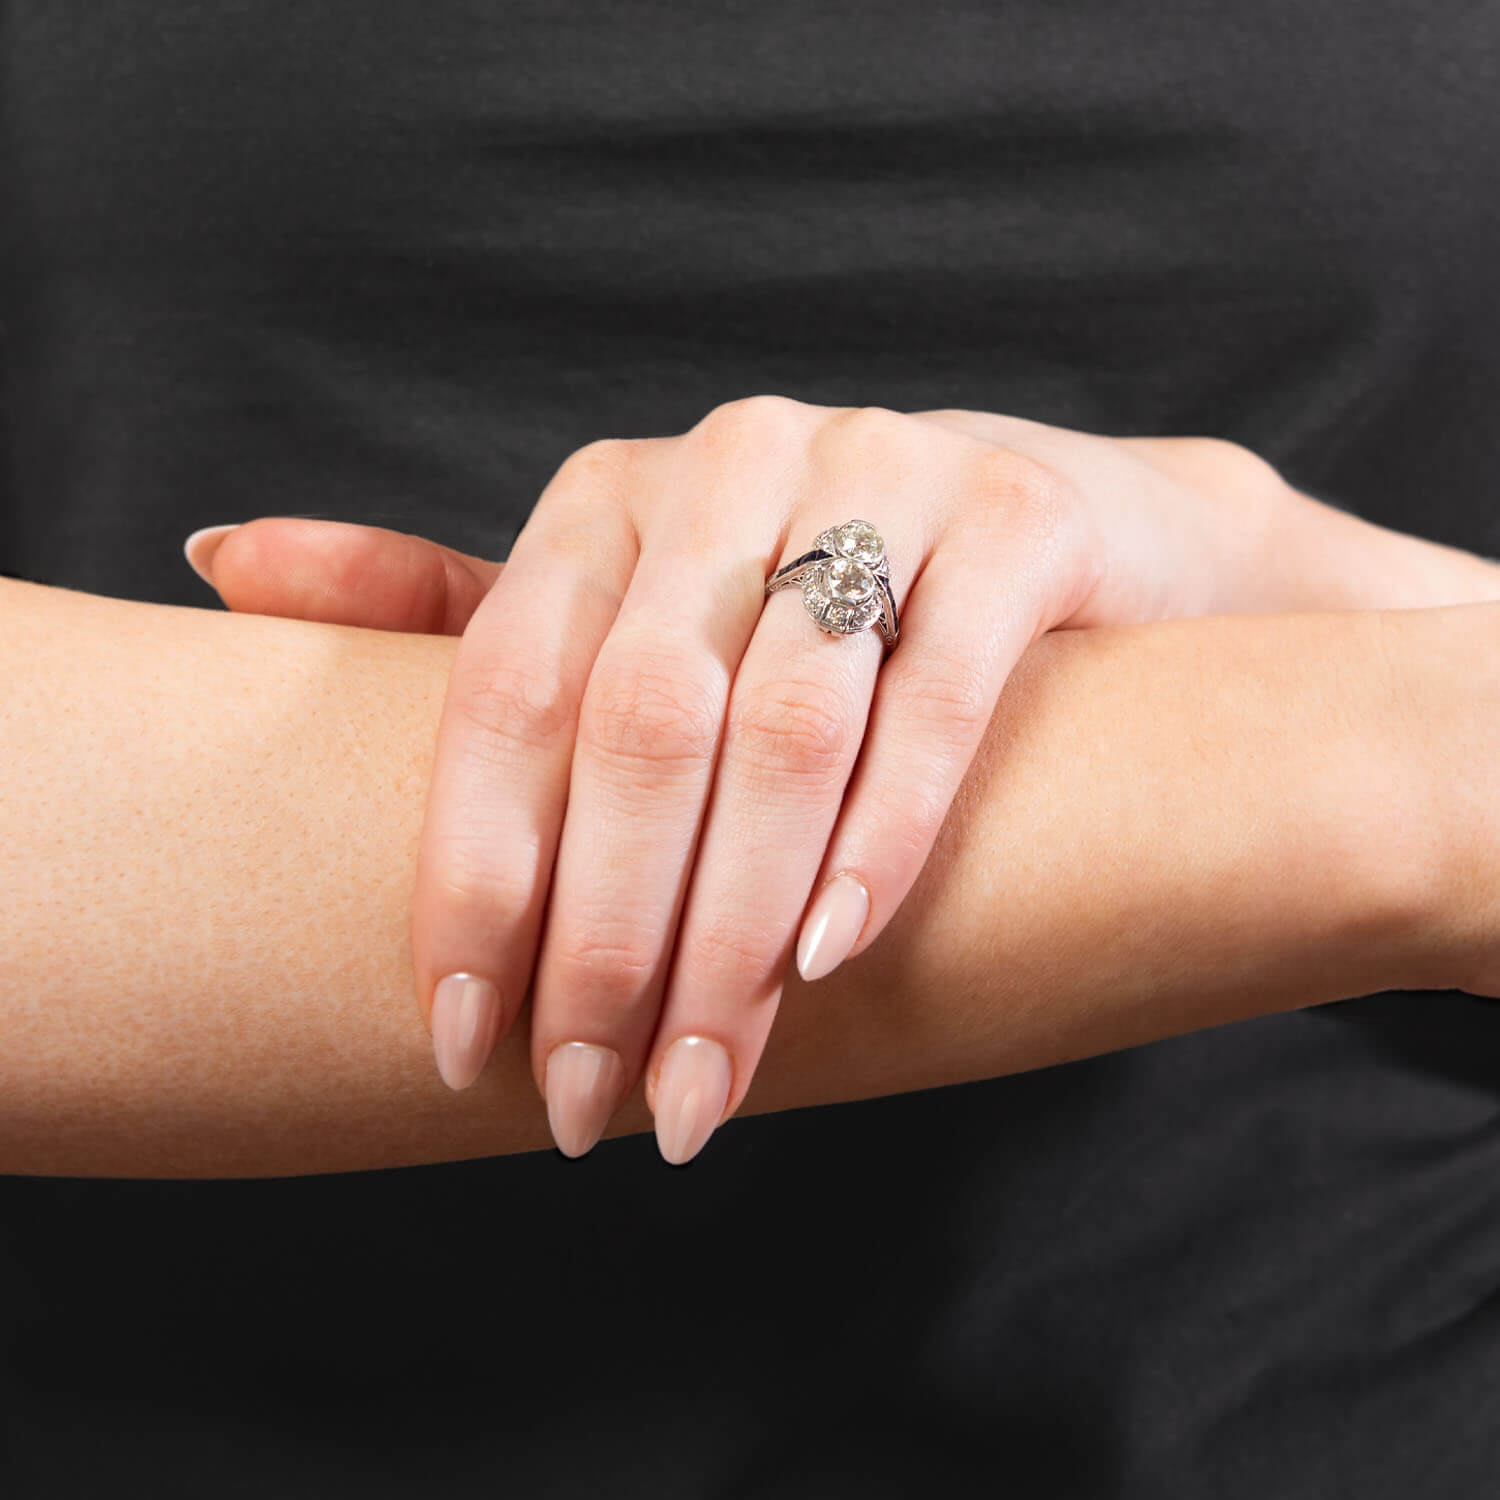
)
(845, 581)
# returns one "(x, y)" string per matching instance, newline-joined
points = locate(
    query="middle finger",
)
(648, 734)
(796, 720)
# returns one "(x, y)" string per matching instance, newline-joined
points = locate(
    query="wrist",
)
(1443, 692)
(1357, 806)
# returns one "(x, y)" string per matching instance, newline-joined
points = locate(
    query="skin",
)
(643, 773)
(209, 826)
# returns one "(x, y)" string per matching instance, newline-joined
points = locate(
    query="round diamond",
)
(861, 541)
(849, 581)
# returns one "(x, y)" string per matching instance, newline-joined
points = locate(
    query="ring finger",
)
(796, 719)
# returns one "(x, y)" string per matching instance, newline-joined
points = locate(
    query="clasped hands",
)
(654, 785)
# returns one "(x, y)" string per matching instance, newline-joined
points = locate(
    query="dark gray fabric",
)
(393, 262)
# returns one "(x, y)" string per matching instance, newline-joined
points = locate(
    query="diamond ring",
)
(845, 580)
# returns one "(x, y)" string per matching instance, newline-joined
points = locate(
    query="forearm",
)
(207, 841)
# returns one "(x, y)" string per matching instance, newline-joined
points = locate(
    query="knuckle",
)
(591, 496)
(795, 728)
(736, 947)
(599, 465)
(1239, 466)
(613, 962)
(951, 702)
(1031, 494)
(909, 819)
(507, 705)
(658, 712)
(749, 426)
(870, 427)
(471, 885)
(1018, 499)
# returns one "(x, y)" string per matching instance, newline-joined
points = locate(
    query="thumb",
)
(341, 574)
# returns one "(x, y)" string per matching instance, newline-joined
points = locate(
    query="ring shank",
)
(793, 571)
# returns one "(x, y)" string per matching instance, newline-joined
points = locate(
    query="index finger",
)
(505, 747)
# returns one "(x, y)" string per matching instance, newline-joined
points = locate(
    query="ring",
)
(846, 581)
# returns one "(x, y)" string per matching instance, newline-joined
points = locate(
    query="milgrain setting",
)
(845, 581)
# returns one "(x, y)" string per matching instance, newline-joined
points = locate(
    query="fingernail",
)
(465, 1027)
(691, 1092)
(833, 925)
(200, 547)
(583, 1086)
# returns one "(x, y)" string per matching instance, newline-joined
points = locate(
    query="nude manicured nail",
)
(833, 925)
(200, 547)
(583, 1086)
(465, 1027)
(691, 1092)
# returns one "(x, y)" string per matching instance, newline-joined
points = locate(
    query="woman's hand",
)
(630, 722)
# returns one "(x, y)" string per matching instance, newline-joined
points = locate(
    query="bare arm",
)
(208, 826)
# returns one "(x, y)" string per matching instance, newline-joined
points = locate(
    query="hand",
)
(624, 670)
